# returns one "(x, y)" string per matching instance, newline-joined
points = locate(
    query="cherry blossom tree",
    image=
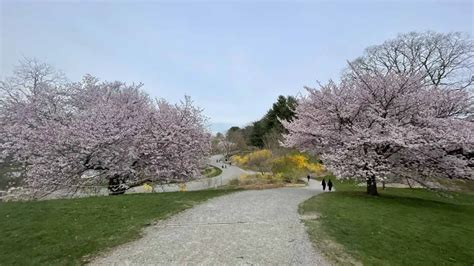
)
(20, 94)
(176, 142)
(225, 146)
(73, 135)
(439, 58)
(387, 126)
(403, 110)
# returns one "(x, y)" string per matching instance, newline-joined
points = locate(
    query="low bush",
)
(265, 180)
(260, 160)
(291, 167)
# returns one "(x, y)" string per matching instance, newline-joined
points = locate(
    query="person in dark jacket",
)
(323, 183)
(329, 184)
(308, 178)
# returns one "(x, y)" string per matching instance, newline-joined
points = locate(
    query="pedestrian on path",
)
(323, 183)
(329, 184)
(308, 178)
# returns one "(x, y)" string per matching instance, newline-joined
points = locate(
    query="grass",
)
(59, 232)
(400, 227)
(458, 184)
(211, 171)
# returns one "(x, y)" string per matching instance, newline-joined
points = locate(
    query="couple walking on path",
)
(323, 183)
(329, 184)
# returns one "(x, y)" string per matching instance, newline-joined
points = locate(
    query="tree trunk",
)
(116, 185)
(372, 186)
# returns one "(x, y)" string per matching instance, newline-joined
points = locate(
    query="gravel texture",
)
(249, 227)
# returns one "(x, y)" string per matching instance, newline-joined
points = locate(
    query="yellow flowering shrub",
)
(289, 167)
(147, 187)
(295, 166)
(315, 167)
(298, 160)
(258, 160)
(239, 160)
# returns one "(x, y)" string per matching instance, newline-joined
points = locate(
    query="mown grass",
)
(399, 227)
(211, 171)
(65, 232)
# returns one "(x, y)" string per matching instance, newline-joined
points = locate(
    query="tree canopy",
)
(391, 119)
(267, 131)
(71, 135)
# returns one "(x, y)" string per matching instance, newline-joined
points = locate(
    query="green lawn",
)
(64, 231)
(211, 171)
(400, 227)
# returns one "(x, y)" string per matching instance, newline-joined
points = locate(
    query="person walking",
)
(308, 179)
(329, 184)
(323, 183)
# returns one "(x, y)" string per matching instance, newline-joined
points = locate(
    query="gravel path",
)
(249, 227)
(228, 173)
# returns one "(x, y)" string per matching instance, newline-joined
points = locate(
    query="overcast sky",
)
(233, 58)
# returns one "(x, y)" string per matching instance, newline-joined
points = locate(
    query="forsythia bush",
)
(260, 160)
(240, 160)
(296, 162)
(289, 167)
(251, 157)
(315, 167)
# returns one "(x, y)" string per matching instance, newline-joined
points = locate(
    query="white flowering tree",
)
(403, 110)
(387, 126)
(106, 131)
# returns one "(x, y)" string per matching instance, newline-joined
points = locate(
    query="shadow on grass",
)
(403, 199)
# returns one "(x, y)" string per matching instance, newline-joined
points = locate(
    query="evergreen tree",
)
(269, 127)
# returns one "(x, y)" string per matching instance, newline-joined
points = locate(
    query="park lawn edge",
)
(332, 251)
(326, 223)
(215, 172)
(133, 229)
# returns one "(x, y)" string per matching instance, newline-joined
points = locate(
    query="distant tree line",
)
(267, 131)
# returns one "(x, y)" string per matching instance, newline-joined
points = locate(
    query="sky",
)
(232, 57)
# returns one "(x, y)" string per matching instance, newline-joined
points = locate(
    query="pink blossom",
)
(387, 126)
(60, 132)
